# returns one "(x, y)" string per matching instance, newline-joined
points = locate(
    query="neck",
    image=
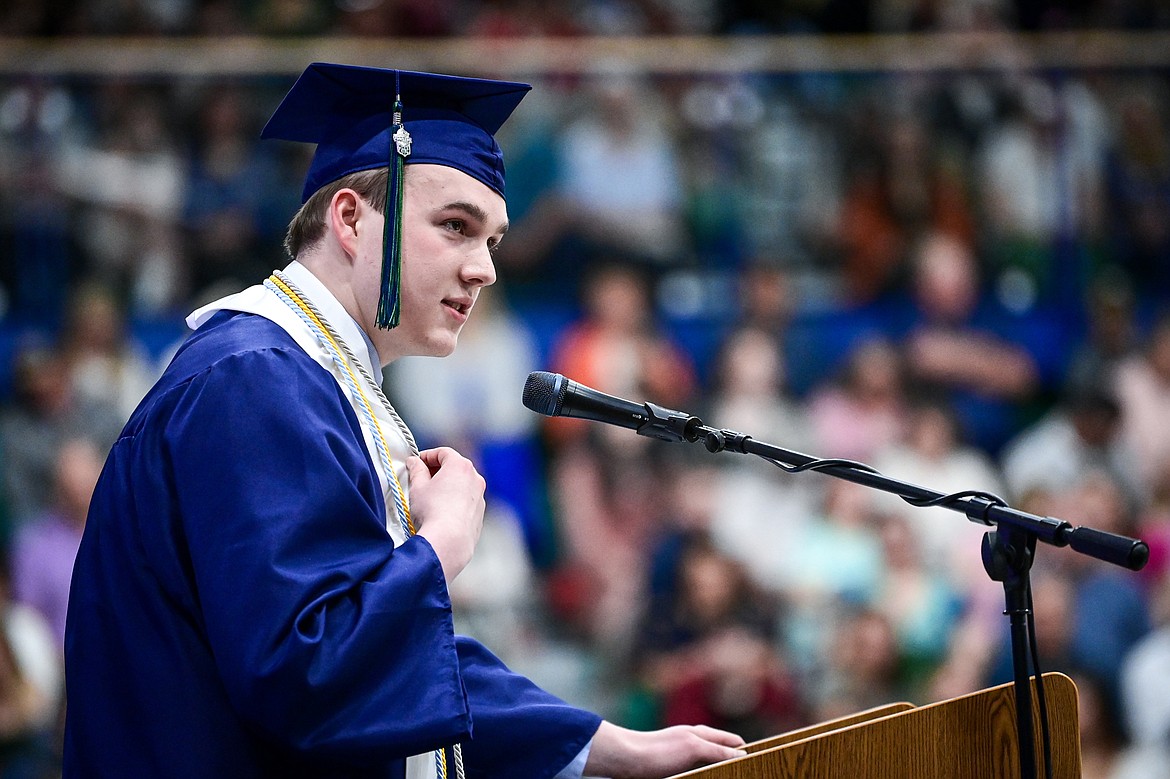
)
(337, 277)
(333, 310)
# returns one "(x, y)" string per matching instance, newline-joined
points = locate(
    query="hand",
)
(447, 505)
(619, 753)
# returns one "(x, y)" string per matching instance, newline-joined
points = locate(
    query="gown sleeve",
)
(520, 730)
(327, 638)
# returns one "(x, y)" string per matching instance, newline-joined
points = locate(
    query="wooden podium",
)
(969, 737)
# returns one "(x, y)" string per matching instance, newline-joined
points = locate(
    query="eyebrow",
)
(475, 212)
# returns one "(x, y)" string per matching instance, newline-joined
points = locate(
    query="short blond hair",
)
(308, 224)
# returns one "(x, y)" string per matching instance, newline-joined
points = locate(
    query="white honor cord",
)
(376, 386)
(456, 749)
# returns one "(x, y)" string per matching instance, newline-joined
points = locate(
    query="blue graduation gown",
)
(239, 610)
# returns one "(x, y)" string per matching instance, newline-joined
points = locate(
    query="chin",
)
(441, 347)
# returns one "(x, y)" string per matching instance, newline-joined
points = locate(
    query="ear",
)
(342, 217)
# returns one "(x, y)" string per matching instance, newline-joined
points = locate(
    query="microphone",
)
(554, 395)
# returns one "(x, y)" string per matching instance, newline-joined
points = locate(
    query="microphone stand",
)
(1008, 551)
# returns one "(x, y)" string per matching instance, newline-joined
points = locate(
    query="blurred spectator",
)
(1137, 174)
(837, 555)
(832, 561)
(105, 365)
(530, 261)
(1153, 526)
(933, 455)
(128, 180)
(496, 599)
(751, 394)
(617, 195)
(291, 17)
(1040, 179)
(861, 669)
(714, 204)
(766, 296)
(922, 605)
(1112, 336)
(31, 687)
(616, 347)
(1145, 688)
(225, 193)
(971, 645)
(471, 397)
(1111, 611)
(1054, 605)
(46, 412)
(45, 548)
(1143, 387)
(509, 19)
(39, 242)
(1103, 741)
(398, 18)
(1080, 435)
(954, 347)
(864, 411)
(742, 686)
(607, 500)
(903, 196)
(1102, 611)
(706, 648)
(790, 159)
(693, 512)
(762, 508)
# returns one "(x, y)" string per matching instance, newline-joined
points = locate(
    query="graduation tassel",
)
(389, 305)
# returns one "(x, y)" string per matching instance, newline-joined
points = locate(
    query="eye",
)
(455, 225)
(493, 245)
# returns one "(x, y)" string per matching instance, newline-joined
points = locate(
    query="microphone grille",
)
(544, 392)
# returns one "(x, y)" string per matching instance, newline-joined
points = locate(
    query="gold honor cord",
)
(334, 343)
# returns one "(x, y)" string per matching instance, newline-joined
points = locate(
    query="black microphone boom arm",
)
(555, 395)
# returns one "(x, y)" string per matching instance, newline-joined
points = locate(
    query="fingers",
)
(447, 504)
(716, 736)
(434, 458)
(417, 470)
(711, 745)
(714, 753)
(631, 754)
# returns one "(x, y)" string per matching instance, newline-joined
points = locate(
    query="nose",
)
(480, 268)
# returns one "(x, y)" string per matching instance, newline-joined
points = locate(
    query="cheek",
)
(369, 281)
(425, 245)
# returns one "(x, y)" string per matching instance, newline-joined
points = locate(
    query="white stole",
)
(262, 301)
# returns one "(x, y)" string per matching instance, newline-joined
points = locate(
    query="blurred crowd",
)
(507, 18)
(961, 279)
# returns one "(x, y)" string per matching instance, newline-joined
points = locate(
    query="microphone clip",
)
(664, 424)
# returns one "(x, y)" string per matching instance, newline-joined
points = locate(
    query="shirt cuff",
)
(576, 767)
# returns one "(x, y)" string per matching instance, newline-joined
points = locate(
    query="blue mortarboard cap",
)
(347, 111)
(363, 118)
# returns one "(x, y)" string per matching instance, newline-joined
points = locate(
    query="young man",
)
(262, 586)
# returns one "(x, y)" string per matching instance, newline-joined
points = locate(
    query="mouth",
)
(460, 306)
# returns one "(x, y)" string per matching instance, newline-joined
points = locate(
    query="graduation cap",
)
(364, 118)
